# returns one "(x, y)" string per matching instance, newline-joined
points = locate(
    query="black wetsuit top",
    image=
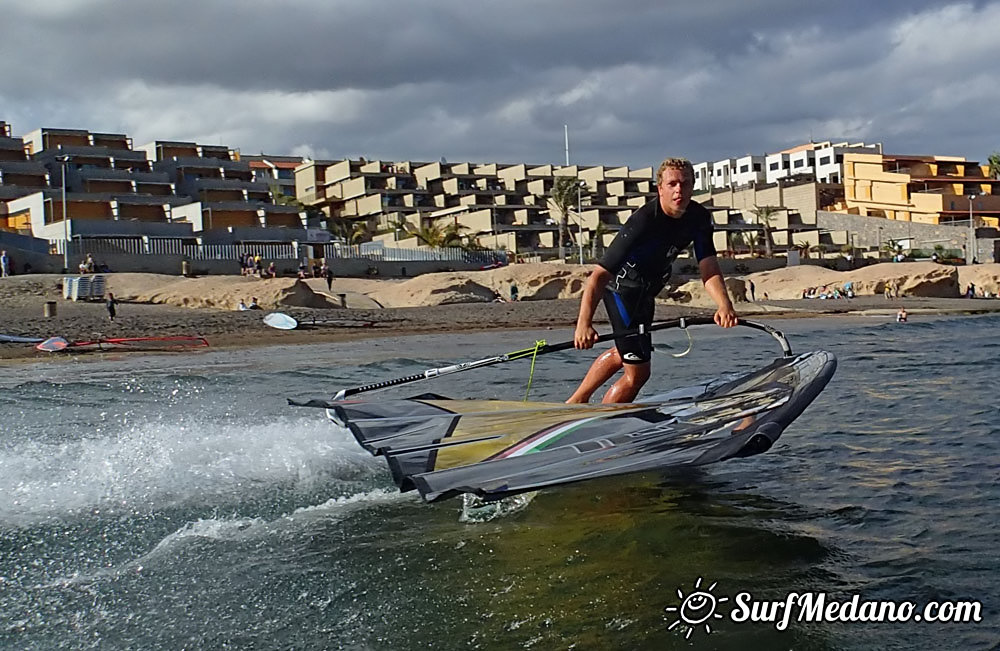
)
(639, 260)
(642, 253)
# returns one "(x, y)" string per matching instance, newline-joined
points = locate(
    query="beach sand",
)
(153, 305)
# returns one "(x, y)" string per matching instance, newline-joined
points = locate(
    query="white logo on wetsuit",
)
(631, 357)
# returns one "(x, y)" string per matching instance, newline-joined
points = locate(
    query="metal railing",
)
(103, 246)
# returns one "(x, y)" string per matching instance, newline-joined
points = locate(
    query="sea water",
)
(176, 501)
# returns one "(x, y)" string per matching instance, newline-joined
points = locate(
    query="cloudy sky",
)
(471, 80)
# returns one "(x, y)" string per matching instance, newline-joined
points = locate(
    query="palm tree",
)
(995, 164)
(360, 233)
(750, 237)
(597, 237)
(764, 216)
(803, 249)
(452, 235)
(431, 235)
(890, 247)
(563, 196)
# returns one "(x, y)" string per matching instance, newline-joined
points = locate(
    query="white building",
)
(830, 160)
(748, 170)
(702, 178)
(722, 173)
(776, 167)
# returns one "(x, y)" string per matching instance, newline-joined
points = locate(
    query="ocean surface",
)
(177, 502)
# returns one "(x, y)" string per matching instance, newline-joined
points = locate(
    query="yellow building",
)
(924, 189)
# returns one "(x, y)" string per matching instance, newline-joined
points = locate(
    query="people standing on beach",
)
(750, 288)
(111, 304)
(513, 292)
(4, 264)
(634, 269)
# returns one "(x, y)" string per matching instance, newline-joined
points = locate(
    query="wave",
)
(142, 465)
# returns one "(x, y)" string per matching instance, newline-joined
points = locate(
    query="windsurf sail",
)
(494, 449)
(55, 344)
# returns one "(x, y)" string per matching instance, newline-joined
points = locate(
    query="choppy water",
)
(175, 502)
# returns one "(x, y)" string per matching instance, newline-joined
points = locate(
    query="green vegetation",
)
(564, 196)
(994, 163)
(764, 216)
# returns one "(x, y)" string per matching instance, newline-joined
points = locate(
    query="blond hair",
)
(682, 164)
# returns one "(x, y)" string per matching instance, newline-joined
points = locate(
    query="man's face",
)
(675, 191)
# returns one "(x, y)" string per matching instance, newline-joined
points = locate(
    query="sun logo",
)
(696, 608)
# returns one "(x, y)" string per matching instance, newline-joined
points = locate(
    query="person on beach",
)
(242, 307)
(901, 315)
(513, 292)
(328, 274)
(111, 304)
(4, 264)
(634, 269)
(253, 304)
(750, 288)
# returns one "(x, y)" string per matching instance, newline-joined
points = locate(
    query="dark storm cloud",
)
(495, 81)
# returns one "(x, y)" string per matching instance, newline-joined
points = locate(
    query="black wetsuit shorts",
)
(627, 313)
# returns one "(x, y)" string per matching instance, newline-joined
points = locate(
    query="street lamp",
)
(972, 249)
(63, 160)
(579, 216)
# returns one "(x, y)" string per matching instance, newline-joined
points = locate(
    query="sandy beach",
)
(154, 305)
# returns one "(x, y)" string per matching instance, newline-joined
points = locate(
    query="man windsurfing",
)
(634, 269)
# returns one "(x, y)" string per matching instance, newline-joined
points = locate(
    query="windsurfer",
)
(634, 269)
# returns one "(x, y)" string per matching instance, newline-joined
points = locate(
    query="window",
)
(773, 166)
(756, 167)
(824, 160)
(744, 169)
(799, 163)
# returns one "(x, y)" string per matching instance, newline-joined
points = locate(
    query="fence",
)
(103, 246)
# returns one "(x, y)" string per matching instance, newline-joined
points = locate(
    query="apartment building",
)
(105, 187)
(924, 189)
(497, 205)
(793, 222)
(277, 172)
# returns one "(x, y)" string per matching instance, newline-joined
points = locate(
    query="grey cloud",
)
(496, 81)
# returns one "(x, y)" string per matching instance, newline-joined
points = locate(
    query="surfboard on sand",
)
(15, 339)
(280, 321)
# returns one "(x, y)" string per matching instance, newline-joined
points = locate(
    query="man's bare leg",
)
(627, 387)
(606, 365)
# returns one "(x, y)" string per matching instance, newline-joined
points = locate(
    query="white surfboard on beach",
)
(280, 321)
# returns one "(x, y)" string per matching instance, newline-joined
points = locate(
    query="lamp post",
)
(63, 160)
(579, 216)
(971, 254)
